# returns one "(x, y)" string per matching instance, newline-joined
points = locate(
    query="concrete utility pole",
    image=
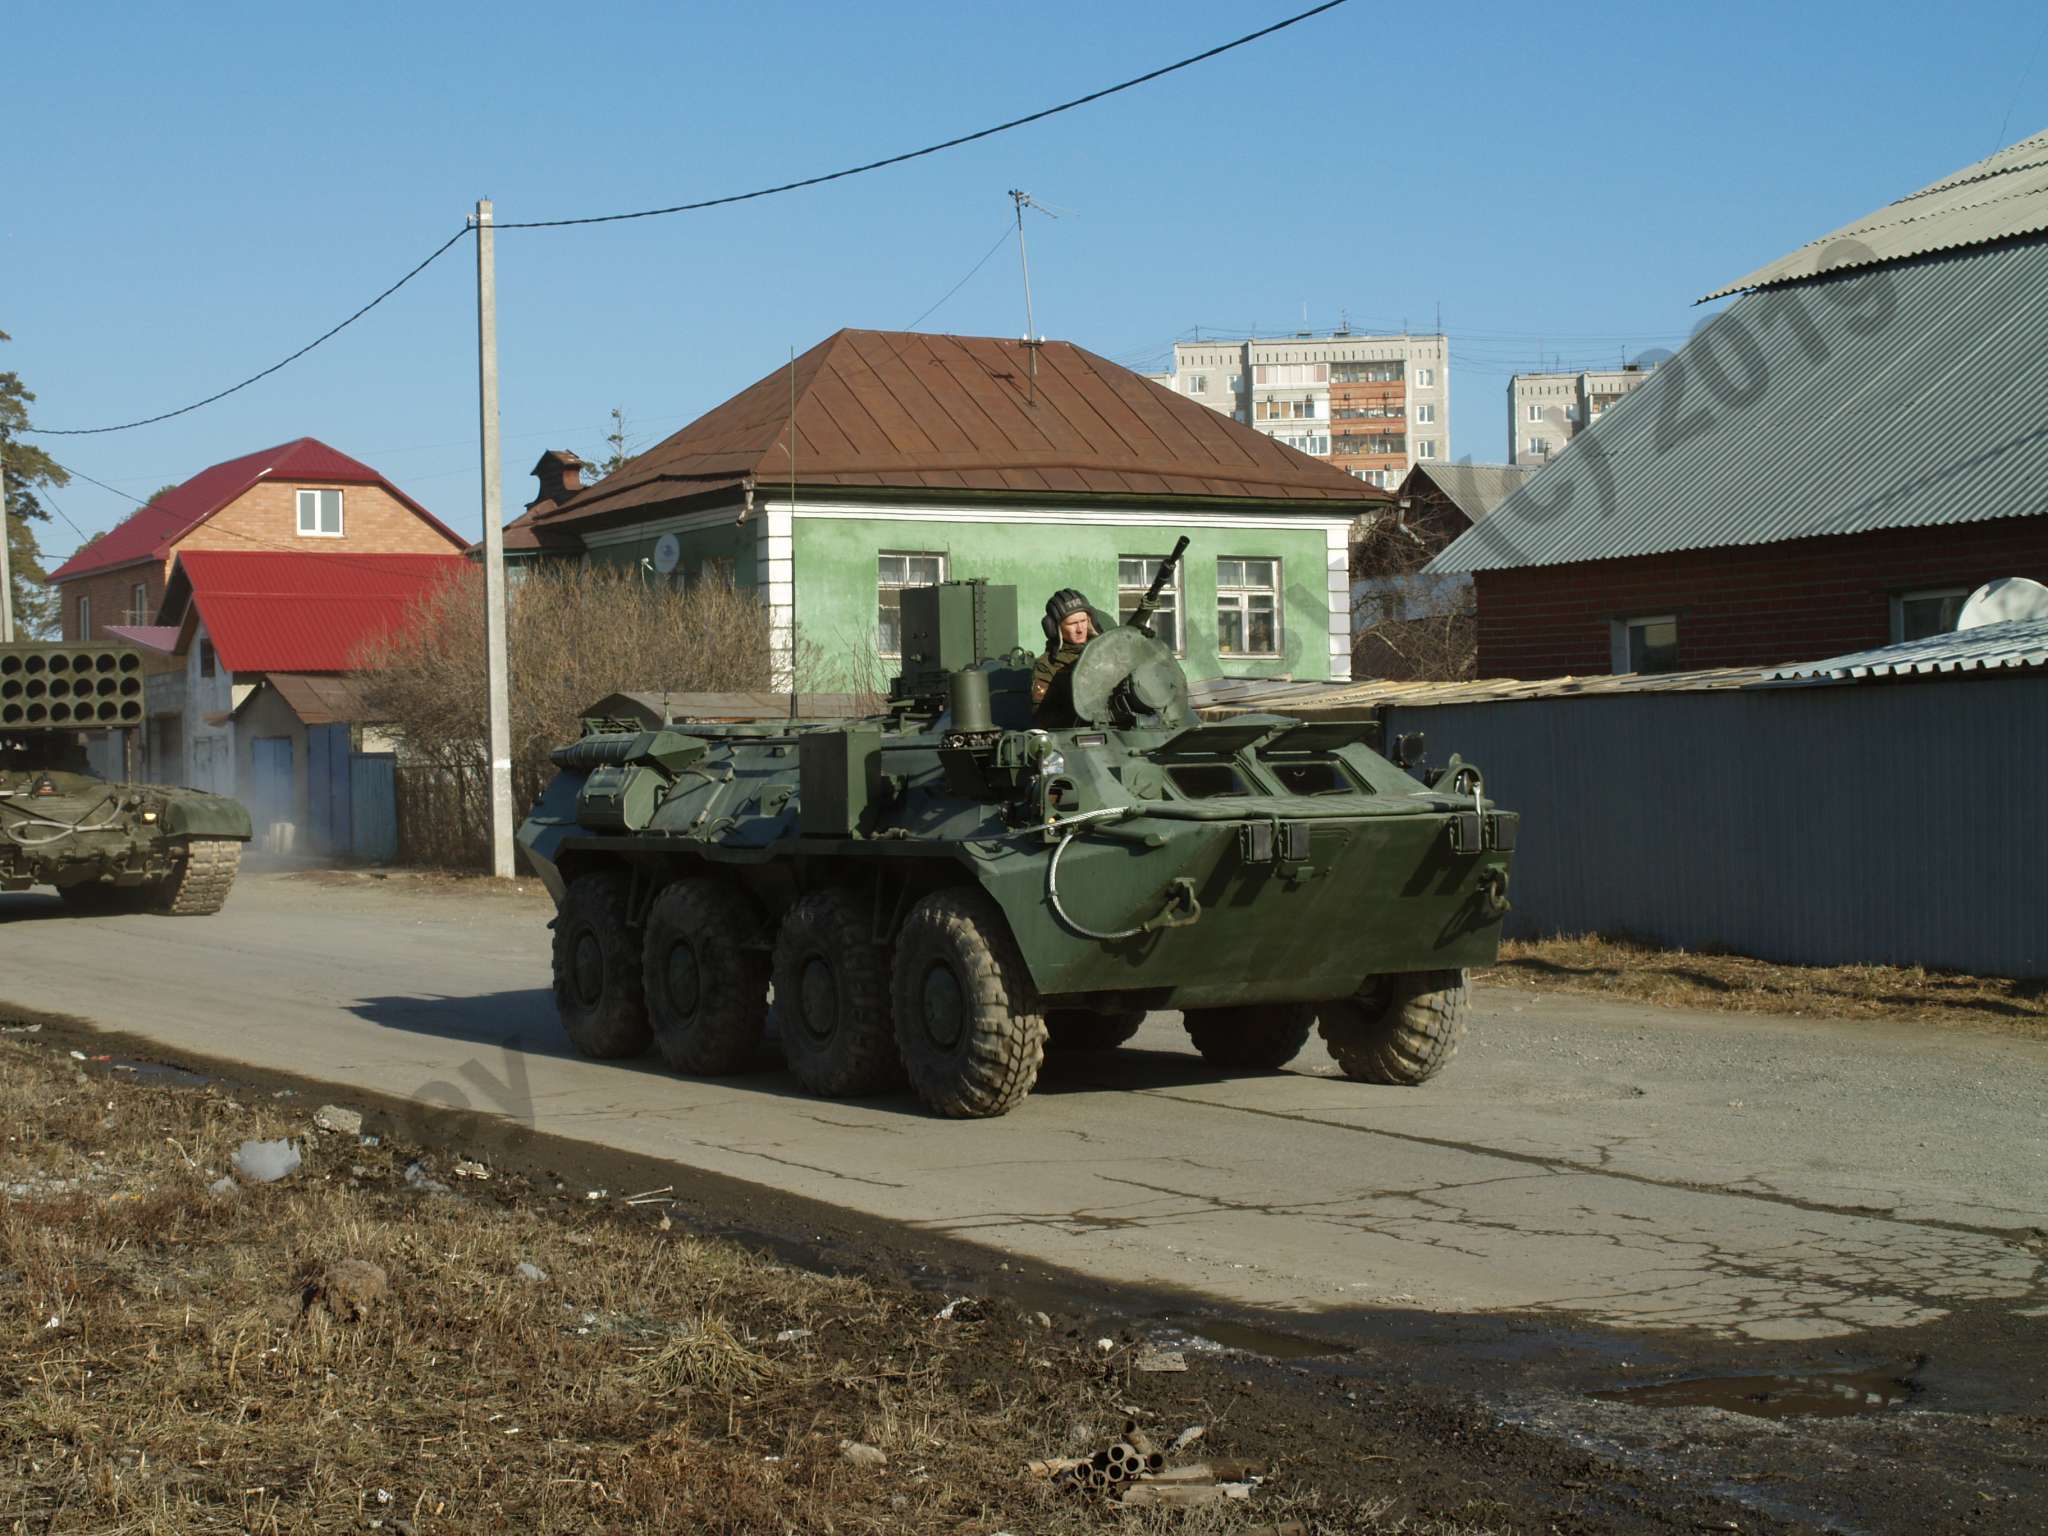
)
(494, 544)
(6, 565)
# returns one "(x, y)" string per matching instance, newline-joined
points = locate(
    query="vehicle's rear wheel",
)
(832, 998)
(1069, 1031)
(1398, 1029)
(705, 978)
(968, 1018)
(597, 969)
(199, 884)
(1252, 1037)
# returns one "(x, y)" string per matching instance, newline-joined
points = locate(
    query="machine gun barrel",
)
(1141, 616)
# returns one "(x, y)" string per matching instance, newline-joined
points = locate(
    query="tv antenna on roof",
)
(1025, 200)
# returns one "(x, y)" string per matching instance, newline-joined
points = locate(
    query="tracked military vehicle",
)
(947, 890)
(106, 847)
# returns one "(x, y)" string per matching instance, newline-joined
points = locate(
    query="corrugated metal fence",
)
(1896, 823)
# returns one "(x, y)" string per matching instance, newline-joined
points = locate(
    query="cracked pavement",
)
(1606, 1163)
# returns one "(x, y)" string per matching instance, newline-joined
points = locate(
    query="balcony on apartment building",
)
(1344, 445)
(1386, 418)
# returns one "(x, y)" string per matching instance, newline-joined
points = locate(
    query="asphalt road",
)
(1614, 1165)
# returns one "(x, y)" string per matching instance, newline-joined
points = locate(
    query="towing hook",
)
(1493, 891)
(1181, 907)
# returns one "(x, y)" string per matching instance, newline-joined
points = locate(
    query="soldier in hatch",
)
(1069, 624)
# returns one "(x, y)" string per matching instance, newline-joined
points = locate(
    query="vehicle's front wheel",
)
(598, 988)
(1252, 1037)
(1071, 1031)
(832, 995)
(705, 977)
(1399, 1029)
(968, 1019)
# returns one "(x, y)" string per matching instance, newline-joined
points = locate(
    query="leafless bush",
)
(1405, 623)
(575, 634)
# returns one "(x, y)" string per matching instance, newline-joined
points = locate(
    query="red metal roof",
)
(151, 532)
(293, 612)
(904, 410)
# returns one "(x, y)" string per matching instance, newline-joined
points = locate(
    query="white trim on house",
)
(1337, 558)
(1009, 513)
(711, 517)
(776, 568)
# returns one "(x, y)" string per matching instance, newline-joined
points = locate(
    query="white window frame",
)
(1425, 448)
(138, 606)
(1425, 378)
(1535, 412)
(84, 618)
(1425, 415)
(882, 585)
(309, 496)
(1921, 595)
(1618, 638)
(1179, 638)
(1237, 596)
(1198, 383)
(1538, 445)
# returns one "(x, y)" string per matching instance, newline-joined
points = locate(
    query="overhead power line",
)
(933, 149)
(327, 335)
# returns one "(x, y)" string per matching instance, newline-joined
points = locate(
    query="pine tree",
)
(35, 604)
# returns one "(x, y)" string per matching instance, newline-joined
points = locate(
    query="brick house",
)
(1832, 463)
(301, 495)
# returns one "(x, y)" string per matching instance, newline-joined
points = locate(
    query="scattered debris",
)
(265, 1162)
(470, 1168)
(343, 1122)
(961, 1309)
(863, 1455)
(348, 1289)
(1161, 1360)
(223, 1188)
(418, 1178)
(595, 1194)
(1187, 1437)
(21, 1029)
(369, 1141)
(1043, 1320)
(526, 1271)
(791, 1335)
(78, 1055)
(662, 1196)
(1105, 1345)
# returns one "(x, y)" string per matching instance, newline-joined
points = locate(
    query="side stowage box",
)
(839, 778)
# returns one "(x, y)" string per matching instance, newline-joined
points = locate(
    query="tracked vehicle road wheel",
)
(705, 978)
(967, 1016)
(1254, 1037)
(1398, 1029)
(1071, 1031)
(832, 993)
(597, 970)
(200, 883)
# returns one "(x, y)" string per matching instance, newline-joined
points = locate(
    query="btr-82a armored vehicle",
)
(945, 891)
(105, 847)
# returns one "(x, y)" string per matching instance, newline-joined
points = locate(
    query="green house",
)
(880, 460)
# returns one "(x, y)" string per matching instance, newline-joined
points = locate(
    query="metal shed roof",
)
(2014, 643)
(1901, 395)
(2000, 196)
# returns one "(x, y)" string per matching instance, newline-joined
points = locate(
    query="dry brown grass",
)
(161, 1370)
(1639, 972)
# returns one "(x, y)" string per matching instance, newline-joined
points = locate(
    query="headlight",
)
(1052, 762)
(149, 818)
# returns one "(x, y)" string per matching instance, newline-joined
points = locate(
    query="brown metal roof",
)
(901, 410)
(318, 699)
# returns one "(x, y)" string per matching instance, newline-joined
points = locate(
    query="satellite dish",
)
(2009, 597)
(668, 553)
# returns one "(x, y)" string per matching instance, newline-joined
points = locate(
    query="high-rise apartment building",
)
(1547, 410)
(1373, 405)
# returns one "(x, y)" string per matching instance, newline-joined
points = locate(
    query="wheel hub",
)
(588, 968)
(820, 1011)
(684, 982)
(945, 1007)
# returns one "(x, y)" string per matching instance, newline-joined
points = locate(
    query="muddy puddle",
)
(1777, 1397)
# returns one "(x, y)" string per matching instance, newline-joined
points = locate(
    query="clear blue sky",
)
(193, 192)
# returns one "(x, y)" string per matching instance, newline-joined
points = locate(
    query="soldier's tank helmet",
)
(1060, 605)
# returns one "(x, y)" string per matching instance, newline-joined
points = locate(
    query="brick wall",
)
(111, 594)
(1750, 605)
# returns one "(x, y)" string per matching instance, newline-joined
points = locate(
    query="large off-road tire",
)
(1398, 1029)
(832, 999)
(968, 1019)
(598, 989)
(705, 978)
(1071, 1031)
(1253, 1037)
(199, 884)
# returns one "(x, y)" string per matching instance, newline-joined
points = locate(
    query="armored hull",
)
(948, 889)
(106, 847)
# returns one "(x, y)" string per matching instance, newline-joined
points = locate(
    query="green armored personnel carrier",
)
(105, 847)
(945, 891)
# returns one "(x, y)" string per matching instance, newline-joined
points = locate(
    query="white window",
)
(85, 618)
(1425, 414)
(1425, 448)
(1134, 577)
(319, 514)
(1917, 615)
(1198, 383)
(1425, 377)
(1535, 412)
(1282, 374)
(138, 603)
(894, 572)
(1539, 445)
(1645, 645)
(1247, 607)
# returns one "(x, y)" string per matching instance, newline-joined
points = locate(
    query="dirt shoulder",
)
(1624, 969)
(358, 1342)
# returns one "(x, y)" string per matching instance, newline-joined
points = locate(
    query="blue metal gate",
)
(328, 789)
(270, 787)
(373, 806)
